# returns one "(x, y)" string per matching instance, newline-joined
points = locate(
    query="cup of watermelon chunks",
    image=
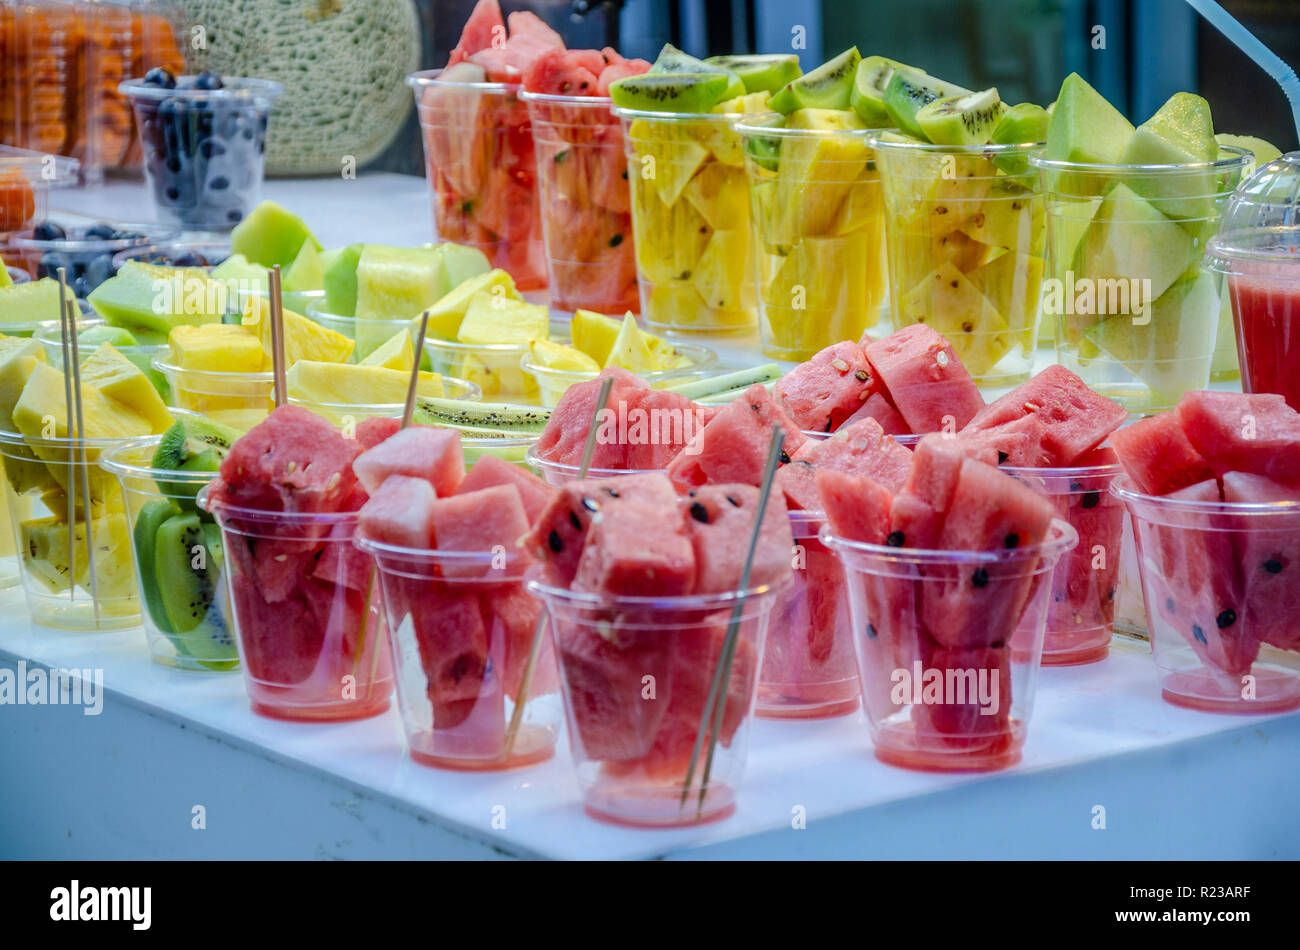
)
(585, 200)
(1129, 215)
(478, 141)
(306, 602)
(463, 625)
(949, 580)
(1213, 490)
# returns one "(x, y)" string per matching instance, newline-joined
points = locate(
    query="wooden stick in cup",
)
(411, 388)
(65, 345)
(73, 369)
(281, 390)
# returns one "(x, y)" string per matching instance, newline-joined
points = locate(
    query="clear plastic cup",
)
(204, 149)
(965, 239)
(1136, 315)
(347, 414)
(906, 439)
(367, 333)
(478, 151)
(26, 179)
(462, 628)
(1085, 587)
(1220, 591)
(49, 531)
(1258, 250)
(239, 400)
(513, 449)
(51, 339)
(692, 241)
(636, 673)
(87, 262)
(585, 203)
(558, 474)
(306, 604)
(819, 234)
(944, 688)
(809, 668)
(179, 561)
(553, 383)
(496, 368)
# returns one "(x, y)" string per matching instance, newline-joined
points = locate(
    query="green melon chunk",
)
(1181, 132)
(154, 298)
(271, 235)
(32, 302)
(396, 283)
(241, 274)
(1085, 127)
(461, 263)
(340, 279)
(307, 272)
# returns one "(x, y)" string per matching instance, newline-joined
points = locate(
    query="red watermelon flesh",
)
(492, 470)
(485, 24)
(525, 23)
(375, 429)
(619, 70)
(515, 612)
(857, 507)
(278, 566)
(1268, 549)
(429, 452)
(453, 644)
(559, 72)
(343, 563)
(1086, 581)
(821, 393)
(862, 449)
(565, 435)
(719, 520)
(592, 60)
(400, 512)
(970, 725)
(924, 380)
(1018, 443)
(637, 550)
(478, 521)
(877, 407)
(1077, 419)
(1237, 432)
(659, 426)
(797, 482)
(936, 468)
(496, 64)
(733, 447)
(523, 49)
(283, 652)
(1157, 455)
(913, 523)
(611, 55)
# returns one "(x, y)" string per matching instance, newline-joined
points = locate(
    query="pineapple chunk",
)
(45, 554)
(557, 356)
(594, 334)
(216, 348)
(491, 319)
(665, 355)
(303, 339)
(446, 316)
(355, 384)
(41, 411)
(18, 357)
(118, 378)
(397, 352)
(632, 349)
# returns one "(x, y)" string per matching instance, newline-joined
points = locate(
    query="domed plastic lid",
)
(1260, 232)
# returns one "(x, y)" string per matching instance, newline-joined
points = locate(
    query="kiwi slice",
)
(670, 92)
(766, 72)
(829, 86)
(151, 517)
(1024, 124)
(188, 592)
(867, 97)
(910, 90)
(192, 444)
(967, 119)
(672, 61)
(764, 150)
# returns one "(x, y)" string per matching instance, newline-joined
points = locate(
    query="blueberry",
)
(80, 287)
(219, 183)
(127, 236)
(48, 231)
(190, 259)
(234, 217)
(50, 264)
(162, 78)
(99, 270)
(100, 232)
(208, 80)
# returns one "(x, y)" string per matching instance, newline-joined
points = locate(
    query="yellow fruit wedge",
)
(558, 356)
(446, 316)
(355, 384)
(491, 318)
(303, 339)
(594, 334)
(121, 380)
(216, 348)
(631, 350)
(397, 352)
(45, 554)
(665, 355)
(41, 410)
(18, 357)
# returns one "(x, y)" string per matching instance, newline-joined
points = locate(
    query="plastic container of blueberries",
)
(88, 260)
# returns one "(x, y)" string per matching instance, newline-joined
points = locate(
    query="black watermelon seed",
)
(980, 578)
(575, 521)
(871, 632)
(590, 504)
(1226, 618)
(555, 542)
(862, 376)
(1091, 499)
(1199, 634)
(785, 457)
(1273, 566)
(1110, 594)
(734, 500)
(612, 493)
(616, 240)
(1076, 487)
(1002, 456)
(895, 539)
(828, 425)
(1012, 540)
(700, 513)
(1169, 604)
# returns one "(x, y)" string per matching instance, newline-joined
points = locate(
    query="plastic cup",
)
(25, 183)
(553, 383)
(511, 449)
(1136, 316)
(1085, 586)
(809, 668)
(51, 338)
(204, 149)
(496, 368)
(49, 529)
(239, 400)
(690, 217)
(367, 333)
(948, 646)
(478, 151)
(306, 605)
(636, 673)
(347, 414)
(965, 239)
(558, 474)
(819, 235)
(179, 561)
(1219, 592)
(79, 256)
(585, 203)
(462, 628)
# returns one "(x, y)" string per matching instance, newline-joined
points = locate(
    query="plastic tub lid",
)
(1261, 224)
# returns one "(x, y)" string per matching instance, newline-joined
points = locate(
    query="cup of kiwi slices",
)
(964, 216)
(176, 545)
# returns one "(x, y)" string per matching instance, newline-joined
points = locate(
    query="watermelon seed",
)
(1199, 634)
(700, 513)
(1273, 566)
(785, 457)
(466, 207)
(895, 539)
(862, 376)
(555, 542)
(967, 327)
(1012, 540)
(590, 504)
(871, 632)
(1091, 499)
(828, 426)
(1002, 456)
(612, 493)
(1226, 618)
(840, 365)
(1110, 594)
(616, 240)
(734, 500)
(561, 156)
(575, 521)
(980, 578)
(1169, 604)
(625, 174)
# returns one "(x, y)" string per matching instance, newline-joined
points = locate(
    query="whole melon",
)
(343, 65)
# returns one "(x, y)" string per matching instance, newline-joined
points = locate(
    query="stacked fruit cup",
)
(478, 150)
(818, 232)
(585, 203)
(690, 215)
(1136, 316)
(976, 716)
(179, 557)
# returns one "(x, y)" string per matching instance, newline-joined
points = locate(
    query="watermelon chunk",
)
(429, 452)
(485, 24)
(919, 372)
(453, 645)
(478, 521)
(659, 425)
(1268, 550)
(375, 429)
(1157, 455)
(970, 726)
(565, 435)
(719, 520)
(877, 407)
(559, 72)
(1237, 432)
(1077, 419)
(1018, 443)
(821, 393)
(857, 507)
(619, 70)
(733, 447)
(400, 512)
(492, 470)
(636, 550)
